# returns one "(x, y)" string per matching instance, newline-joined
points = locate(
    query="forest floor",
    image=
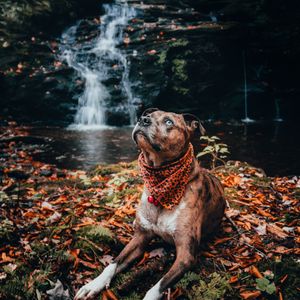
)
(60, 228)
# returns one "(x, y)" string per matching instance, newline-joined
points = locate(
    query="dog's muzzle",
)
(144, 121)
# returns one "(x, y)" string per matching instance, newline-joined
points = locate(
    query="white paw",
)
(154, 293)
(88, 291)
(93, 288)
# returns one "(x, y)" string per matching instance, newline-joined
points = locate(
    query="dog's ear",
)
(148, 111)
(193, 122)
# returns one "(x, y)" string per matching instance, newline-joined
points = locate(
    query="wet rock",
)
(60, 174)
(17, 174)
(183, 54)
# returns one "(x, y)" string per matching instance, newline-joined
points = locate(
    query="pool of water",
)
(273, 146)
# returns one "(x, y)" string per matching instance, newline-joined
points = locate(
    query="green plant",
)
(212, 289)
(187, 279)
(265, 285)
(179, 69)
(217, 151)
(96, 233)
(162, 57)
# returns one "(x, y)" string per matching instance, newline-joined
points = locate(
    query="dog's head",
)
(165, 136)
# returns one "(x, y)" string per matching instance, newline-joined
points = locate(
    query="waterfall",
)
(246, 119)
(98, 60)
(277, 111)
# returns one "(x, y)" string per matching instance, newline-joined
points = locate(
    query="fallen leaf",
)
(261, 229)
(145, 257)
(255, 272)
(54, 218)
(58, 292)
(274, 229)
(248, 295)
(106, 260)
(152, 52)
(233, 279)
(111, 295)
(159, 252)
(3, 275)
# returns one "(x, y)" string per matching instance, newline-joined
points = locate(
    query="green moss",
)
(129, 191)
(105, 170)
(22, 283)
(7, 230)
(96, 233)
(179, 69)
(179, 43)
(188, 279)
(162, 57)
(133, 296)
(214, 287)
(181, 90)
(13, 289)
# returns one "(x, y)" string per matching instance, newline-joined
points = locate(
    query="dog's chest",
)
(162, 222)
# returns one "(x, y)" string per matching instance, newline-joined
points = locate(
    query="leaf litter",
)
(65, 226)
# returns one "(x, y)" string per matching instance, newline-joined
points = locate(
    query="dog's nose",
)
(145, 121)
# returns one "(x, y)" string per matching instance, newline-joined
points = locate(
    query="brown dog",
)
(164, 139)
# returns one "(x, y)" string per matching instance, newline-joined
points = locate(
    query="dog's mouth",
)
(140, 132)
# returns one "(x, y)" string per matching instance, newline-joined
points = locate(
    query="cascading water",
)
(97, 61)
(246, 119)
(277, 111)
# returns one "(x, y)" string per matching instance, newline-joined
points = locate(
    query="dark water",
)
(273, 146)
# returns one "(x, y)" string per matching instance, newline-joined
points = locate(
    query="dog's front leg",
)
(133, 250)
(184, 261)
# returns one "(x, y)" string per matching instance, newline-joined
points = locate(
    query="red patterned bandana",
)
(167, 184)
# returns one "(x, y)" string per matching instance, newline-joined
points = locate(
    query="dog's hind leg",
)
(133, 250)
(184, 261)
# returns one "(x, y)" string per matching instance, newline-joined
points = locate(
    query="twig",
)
(231, 221)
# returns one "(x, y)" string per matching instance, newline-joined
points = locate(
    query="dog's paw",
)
(93, 288)
(89, 291)
(154, 293)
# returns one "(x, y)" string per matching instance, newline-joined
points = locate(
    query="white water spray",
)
(277, 111)
(97, 61)
(246, 119)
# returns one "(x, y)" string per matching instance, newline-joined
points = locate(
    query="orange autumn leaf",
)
(104, 296)
(274, 229)
(222, 240)
(233, 279)
(111, 295)
(86, 223)
(207, 254)
(283, 278)
(177, 293)
(248, 295)
(88, 264)
(60, 199)
(145, 257)
(264, 213)
(75, 253)
(255, 272)
(5, 258)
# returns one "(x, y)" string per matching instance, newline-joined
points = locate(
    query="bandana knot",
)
(166, 184)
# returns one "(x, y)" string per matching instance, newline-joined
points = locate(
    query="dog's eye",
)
(169, 122)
